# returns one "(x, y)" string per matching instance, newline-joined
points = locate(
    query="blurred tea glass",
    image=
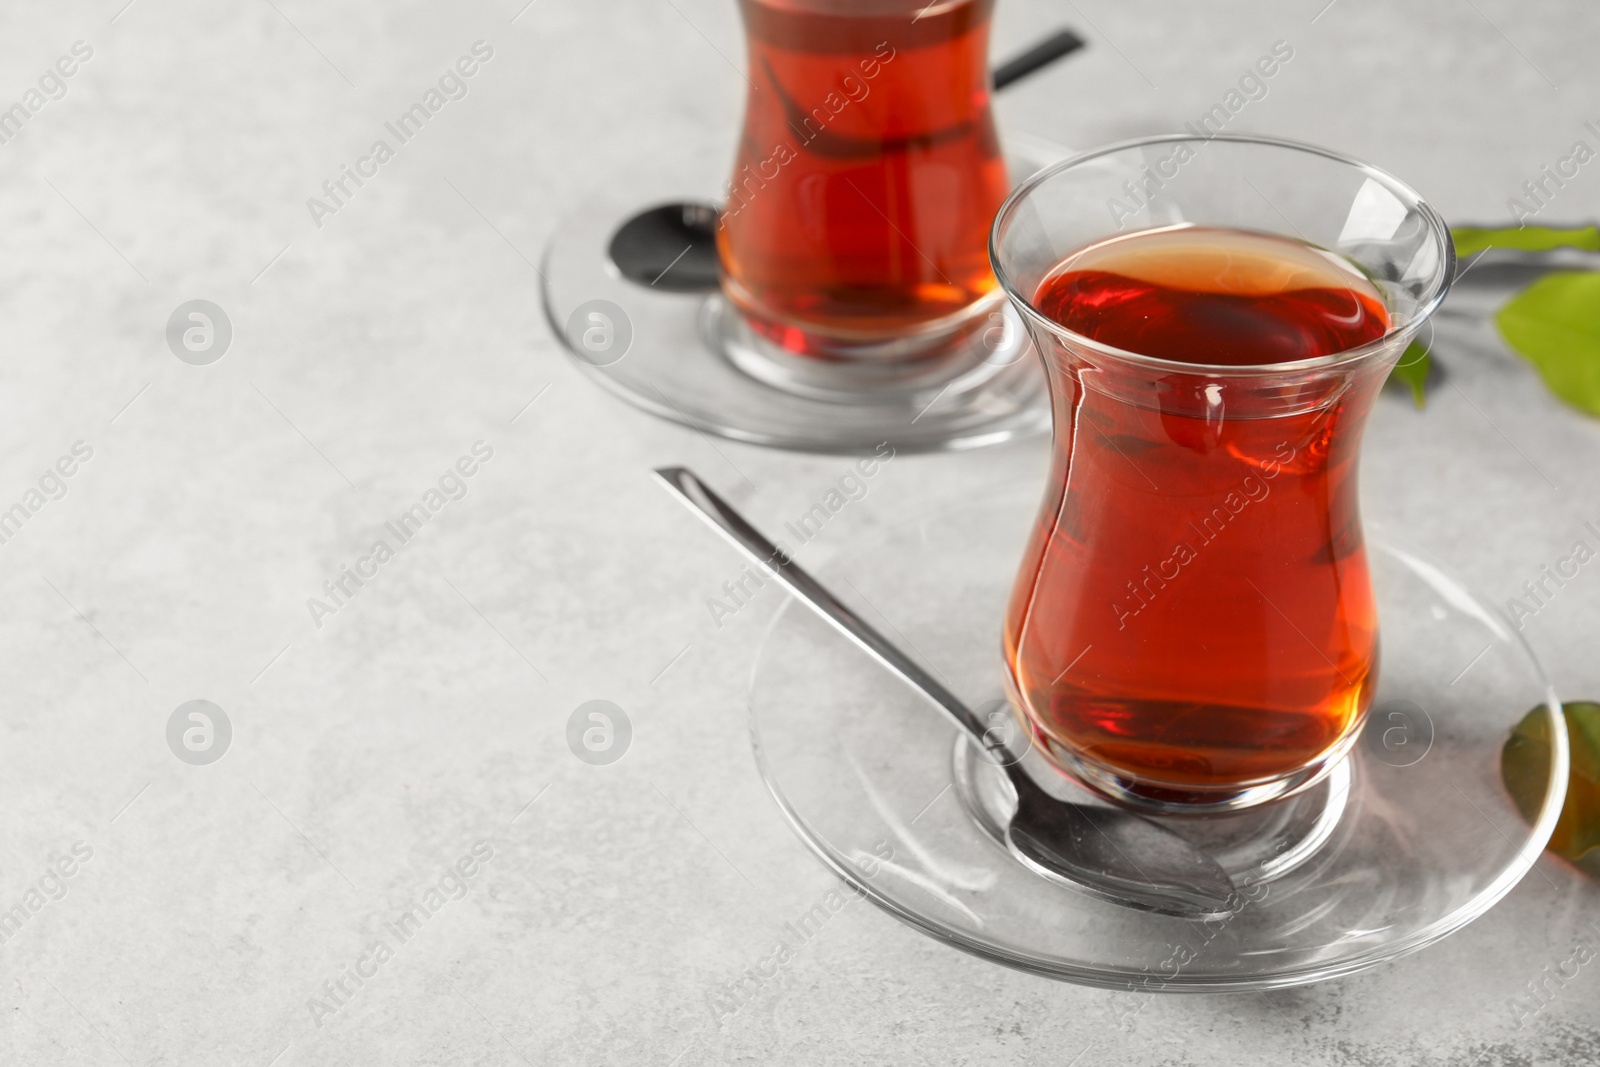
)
(1193, 627)
(854, 238)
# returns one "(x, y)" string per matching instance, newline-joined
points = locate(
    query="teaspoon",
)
(1109, 853)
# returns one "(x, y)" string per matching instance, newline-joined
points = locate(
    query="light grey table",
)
(212, 912)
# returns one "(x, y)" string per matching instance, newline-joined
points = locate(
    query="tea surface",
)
(1220, 297)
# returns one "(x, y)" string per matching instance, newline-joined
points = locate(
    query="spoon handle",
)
(1061, 43)
(806, 589)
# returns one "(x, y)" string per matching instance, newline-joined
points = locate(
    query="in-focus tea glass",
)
(867, 177)
(1193, 626)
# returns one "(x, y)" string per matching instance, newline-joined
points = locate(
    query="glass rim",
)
(1391, 338)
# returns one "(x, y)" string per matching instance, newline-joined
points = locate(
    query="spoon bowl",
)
(1114, 855)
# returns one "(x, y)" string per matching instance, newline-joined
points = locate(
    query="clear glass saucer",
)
(1407, 840)
(688, 358)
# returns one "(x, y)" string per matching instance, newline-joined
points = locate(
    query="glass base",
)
(875, 356)
(1192, 800)
(1252, 846)
(910, 371)
(1405, 840)
(691, 359)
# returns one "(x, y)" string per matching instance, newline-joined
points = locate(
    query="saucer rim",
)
(1527, 854)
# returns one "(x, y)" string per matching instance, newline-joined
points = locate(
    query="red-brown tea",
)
(868, 170)
(1194, 613)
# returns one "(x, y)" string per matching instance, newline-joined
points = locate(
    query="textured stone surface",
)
(370, 754)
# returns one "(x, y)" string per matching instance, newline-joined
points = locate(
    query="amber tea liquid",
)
(868, 171)
(1200, 618)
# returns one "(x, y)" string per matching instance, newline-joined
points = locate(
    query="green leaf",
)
(1412, 372)
(1555, 322)
(1525, 768)
(1470, 240)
